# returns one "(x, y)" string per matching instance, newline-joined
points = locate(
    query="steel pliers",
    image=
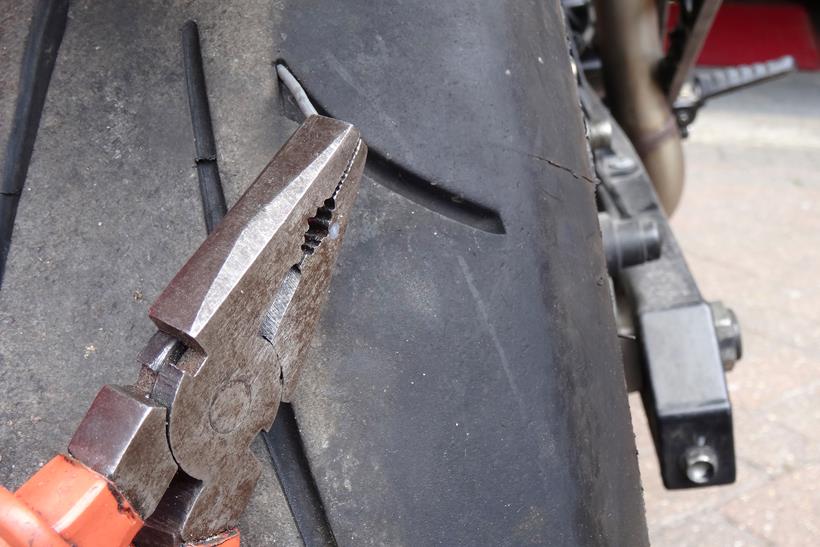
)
(167, 460)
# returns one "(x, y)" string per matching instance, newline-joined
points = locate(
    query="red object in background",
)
(749, 33)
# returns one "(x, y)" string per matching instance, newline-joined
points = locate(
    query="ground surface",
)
(749, 225)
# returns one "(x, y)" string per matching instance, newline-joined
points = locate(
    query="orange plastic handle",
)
(226, 539)
(66, 503)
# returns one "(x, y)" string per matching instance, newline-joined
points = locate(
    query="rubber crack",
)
(572, 172)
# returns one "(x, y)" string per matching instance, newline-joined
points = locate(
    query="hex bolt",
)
(629, 242)
(727, 332)
(599, 134)
(700, 464)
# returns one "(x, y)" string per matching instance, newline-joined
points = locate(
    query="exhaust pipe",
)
(629, 42)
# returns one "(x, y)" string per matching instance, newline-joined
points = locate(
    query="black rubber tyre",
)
(465, 387)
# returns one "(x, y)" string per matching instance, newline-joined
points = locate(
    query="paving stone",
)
(765, 441)
(784, 511)
(711, 529)
(769, 371)
(799, 411)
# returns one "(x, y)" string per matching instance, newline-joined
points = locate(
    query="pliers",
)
(167, 461)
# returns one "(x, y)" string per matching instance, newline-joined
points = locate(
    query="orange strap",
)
(66, 503)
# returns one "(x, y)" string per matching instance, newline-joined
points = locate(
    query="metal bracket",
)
(681, 342)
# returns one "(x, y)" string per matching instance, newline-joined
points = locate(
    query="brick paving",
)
(749, 224)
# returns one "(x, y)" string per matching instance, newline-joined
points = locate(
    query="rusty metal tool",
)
(167, 459)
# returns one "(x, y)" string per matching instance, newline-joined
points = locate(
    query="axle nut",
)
(727, 331)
